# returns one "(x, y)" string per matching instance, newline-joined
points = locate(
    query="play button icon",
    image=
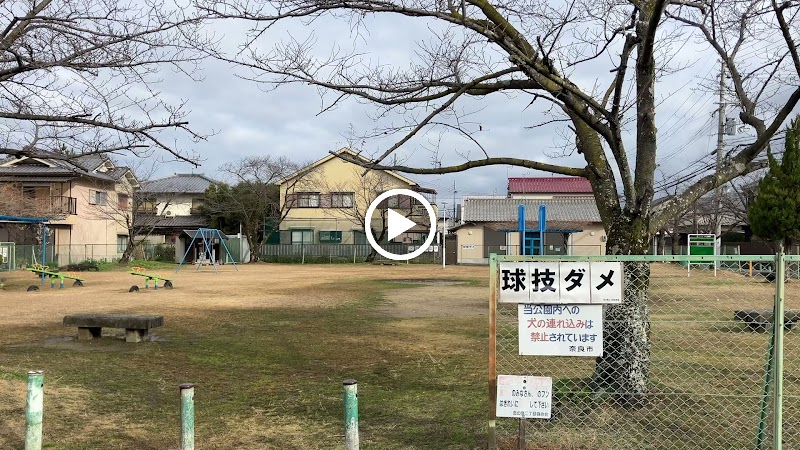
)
(397, 223)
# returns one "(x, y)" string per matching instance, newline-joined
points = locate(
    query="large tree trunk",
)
(624, 366)
(255, 248)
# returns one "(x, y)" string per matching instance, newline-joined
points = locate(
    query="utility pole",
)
(720, 149)
(454, 202)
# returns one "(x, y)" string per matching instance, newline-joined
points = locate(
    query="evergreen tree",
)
(775, 212)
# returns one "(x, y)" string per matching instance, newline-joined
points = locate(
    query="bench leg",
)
(88, 333)
(132, 335)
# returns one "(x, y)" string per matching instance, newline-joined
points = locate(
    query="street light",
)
(444, 231)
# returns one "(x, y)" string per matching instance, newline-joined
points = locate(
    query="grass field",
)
(269, 346)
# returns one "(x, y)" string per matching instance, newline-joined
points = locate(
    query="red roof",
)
(546, 185)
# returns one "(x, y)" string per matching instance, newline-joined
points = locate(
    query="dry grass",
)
(268, 347)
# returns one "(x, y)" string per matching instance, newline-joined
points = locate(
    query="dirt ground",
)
(252, 286)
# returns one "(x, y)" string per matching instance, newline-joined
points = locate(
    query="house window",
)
(29, 192)
(341, 199)
(122, 199)
(197, 203)
(303, 236)
(308, 200)
(330, 237)
(97, 198)
(147, 207)
(122, 243)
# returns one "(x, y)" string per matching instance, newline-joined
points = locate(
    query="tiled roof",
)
(542, 185)
(581, 210)
(182, 183)
(82, 166)
(146, 220)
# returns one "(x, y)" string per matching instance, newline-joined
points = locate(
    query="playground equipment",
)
(44, 271)
(209, 237)
(140, 271)
(532, 242)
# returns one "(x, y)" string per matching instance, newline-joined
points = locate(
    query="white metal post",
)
(444, 231)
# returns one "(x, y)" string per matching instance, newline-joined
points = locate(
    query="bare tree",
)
(79, 77)
(127, 206)
(253, 199)
(14, 201)
(552, 53)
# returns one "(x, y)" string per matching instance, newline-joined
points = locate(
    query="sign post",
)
(559, 313)
(701, 244)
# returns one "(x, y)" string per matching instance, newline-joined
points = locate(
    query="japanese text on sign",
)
(560, 330)
(561, 282)
(524, 397)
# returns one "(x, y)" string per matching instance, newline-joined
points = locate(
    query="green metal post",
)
(780, 279)
(187, 416)
(763, 410)
(34, 410)
(350, 414)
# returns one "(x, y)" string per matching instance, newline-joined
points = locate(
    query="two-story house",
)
(169, 209)
(326, 202)
(86, 199)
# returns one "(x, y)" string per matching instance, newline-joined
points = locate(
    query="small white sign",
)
(544, 282)
(607, 282)
(560, 330)
(524, 397)
(562, 282)
(515, 283)
(575, 284)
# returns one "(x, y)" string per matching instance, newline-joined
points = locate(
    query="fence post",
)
(34, 410)
(492, 434)
(187, 416)
(350, 414)
(780, 279)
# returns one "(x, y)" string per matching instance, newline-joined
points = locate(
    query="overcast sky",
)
(250, 121)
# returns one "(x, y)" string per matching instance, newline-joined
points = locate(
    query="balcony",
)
(64, 205)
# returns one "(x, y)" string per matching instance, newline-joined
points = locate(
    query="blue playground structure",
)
(532, 242)
(209, 237)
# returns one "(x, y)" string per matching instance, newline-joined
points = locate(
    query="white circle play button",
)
(397, 224)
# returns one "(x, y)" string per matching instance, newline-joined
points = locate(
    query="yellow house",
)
(326, 202)
(86, 198)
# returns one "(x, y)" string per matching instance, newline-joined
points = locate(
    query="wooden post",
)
(522, 442)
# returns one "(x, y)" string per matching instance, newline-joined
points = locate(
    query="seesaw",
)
(43, 270)
(140, 271)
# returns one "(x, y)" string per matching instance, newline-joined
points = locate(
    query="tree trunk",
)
(255, 248)
(129, 249)
(624, 366)
(676, 243)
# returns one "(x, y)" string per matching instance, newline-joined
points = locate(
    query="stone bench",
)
(90, 325)
(761, 320)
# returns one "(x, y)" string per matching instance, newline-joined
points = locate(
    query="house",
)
(326, 201)
(490, 224)
(170, 206)
(86, 199)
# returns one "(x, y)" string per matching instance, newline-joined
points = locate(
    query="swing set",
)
(209, 237)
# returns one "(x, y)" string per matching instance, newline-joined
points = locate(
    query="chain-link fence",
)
(701, 343)
(63, 255)
(343, 253)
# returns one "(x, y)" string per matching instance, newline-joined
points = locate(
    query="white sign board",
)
(560, 330)
(524, 397)
(561, 282)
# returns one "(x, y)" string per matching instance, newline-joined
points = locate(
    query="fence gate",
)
(687, 362)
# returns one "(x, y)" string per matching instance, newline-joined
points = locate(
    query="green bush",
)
(164, 253)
